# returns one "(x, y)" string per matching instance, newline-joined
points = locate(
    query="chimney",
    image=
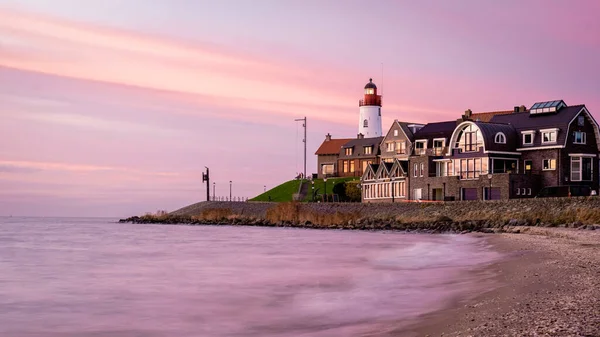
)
(360, 136)
(327, 137)
(468, 114)
(522, 108)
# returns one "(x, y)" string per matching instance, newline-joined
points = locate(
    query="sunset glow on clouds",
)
(114, 109)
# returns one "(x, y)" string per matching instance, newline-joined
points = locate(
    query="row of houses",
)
(479, 156)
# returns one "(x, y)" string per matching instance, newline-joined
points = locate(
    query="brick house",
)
(327, 156)
(357, 154)
(502, 155)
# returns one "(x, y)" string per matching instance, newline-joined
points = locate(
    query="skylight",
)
(550, 106)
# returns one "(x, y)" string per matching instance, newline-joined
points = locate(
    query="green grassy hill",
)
(285, 191)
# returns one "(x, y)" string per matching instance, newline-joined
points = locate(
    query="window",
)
(469, 139)
(438, 146)
(401, 147)
(366, 164)
(327, 169)
(548, 137)
(349, 151)
(352, 166)
(528, 138)
(390, 146)
(345, 166)
(369, 91)
(415, 170)
(529, 191)
(443, 169)
(528, 165)
(579, 137)
(470, 168)
(368, 149)
(395, 133)
(422, 169)
(365, 123)
(581, 121)
(581, 168)
(420, 147)
(549, 164)
(500, 138)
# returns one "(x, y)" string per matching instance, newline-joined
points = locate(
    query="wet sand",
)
(548, 285)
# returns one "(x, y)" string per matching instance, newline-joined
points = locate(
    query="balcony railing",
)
(372, 101)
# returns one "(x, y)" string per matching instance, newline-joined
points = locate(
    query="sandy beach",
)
(548, 285)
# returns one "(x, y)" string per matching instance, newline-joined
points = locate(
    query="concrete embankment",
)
(488, 216)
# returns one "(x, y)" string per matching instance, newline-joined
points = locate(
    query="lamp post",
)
(393, 200)
(490, 187)
(265, 187)
(313, 190)
(230, 182)
(214, 183)
(325, 191)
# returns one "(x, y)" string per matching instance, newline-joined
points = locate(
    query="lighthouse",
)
(369, 121)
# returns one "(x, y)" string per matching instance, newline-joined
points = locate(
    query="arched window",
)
(468, 138)
(500, 138)
(366, 124)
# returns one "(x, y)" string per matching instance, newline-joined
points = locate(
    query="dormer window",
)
(528, 137)
(420, 147)
(349, 151)
(549, 136)
(500, 138)
(368, 149)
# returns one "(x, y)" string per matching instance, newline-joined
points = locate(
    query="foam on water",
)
(86, 277)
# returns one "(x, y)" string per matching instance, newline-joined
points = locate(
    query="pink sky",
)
(113, 109)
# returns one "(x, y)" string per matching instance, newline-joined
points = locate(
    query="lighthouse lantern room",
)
(369, 122)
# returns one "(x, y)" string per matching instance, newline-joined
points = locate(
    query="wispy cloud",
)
(32, 166)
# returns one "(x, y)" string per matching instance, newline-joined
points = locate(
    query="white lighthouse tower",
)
(369, 121)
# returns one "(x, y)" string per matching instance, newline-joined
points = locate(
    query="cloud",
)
(33, 166)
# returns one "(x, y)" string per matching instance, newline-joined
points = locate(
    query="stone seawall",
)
(485, 216)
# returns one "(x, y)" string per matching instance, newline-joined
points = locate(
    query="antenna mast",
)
(381, 78)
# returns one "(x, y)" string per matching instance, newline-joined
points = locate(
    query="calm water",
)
(90, 277)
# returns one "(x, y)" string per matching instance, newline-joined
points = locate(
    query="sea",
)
(96, 277)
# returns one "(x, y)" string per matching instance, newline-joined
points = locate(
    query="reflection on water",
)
(89, 277)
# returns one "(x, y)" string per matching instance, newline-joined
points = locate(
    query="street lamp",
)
(214, 183)
(490, 188)
(325, 191)
(230, 182)
(265, 187)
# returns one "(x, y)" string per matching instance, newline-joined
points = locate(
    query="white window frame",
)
(424, 142)
(500, 138)
(415, 170)
(550, 161)
(532, 133)
(396, 133)
(553, 131)
(390, 146)
(421, 169)
(583, 137)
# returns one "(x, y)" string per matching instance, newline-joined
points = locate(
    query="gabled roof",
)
(524, 121)
(436, 130)
(359, 144)
(332, 146)
(487, 116)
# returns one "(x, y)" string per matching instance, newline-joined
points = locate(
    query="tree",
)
(353, 193)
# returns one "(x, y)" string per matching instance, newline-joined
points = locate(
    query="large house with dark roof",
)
(497, 155)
